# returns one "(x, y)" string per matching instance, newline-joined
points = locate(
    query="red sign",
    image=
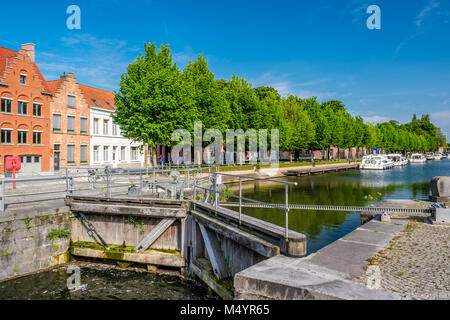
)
(12, 163)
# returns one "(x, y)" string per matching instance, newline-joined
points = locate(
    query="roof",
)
(6, 54)
(53, 85)
(98, 98)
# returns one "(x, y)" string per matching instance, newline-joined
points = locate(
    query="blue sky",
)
(307, 48)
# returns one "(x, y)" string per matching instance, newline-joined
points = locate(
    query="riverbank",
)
(415, 262)
(286, 169)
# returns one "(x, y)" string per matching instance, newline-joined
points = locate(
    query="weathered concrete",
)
(440, 189)
(153, 257)
(25, 243)
(330, 273)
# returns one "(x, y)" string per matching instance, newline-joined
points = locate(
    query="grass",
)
(238, 167)
(63, 233)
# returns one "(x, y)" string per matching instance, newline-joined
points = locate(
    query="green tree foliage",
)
(156, 98)
(300, 129)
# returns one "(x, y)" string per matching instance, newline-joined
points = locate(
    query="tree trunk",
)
(290, 156)
(153, 154)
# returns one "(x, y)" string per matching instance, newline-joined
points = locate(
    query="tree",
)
(301, 130)
(154, 100)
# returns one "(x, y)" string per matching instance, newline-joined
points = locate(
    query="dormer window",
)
(96, 103)
(23, 79)
(71, 101)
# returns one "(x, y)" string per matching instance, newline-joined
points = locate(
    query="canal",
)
(349, 188)
(360, 188)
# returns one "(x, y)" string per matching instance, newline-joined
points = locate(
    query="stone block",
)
(441, 215)
(440, 189)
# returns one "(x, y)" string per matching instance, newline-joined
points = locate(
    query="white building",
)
(107, 145)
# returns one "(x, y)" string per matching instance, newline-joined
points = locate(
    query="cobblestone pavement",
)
(416, 263)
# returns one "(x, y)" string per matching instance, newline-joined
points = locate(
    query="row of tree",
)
(156, 98)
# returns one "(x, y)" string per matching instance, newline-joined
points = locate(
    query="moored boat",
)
(376, 162)
(418, 158)
(398, 159)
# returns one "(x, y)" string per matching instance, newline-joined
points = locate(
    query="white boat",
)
(439, 156)
(376, 162)
(398, 159)
(418, 158)
(430, 156)
(448, 156)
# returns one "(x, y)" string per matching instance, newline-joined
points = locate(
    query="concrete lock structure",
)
(440, 189)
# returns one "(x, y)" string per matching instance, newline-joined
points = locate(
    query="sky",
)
(305, 48)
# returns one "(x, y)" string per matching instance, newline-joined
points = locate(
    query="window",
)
(6, 105)
(134, 153)
(22, 137)
(83, 154)
(83, 125)
(37, 137)
(56, 122)
(56, 147)
(37, 159)
(105, 127)
(6, 136)
(70, 124)
(71, 101)
(122, 153)
(114, 153)
(23, 79)
(29, 158)
(96, 159)
(105, 153)
(114, 129)
(22, 107)
(70, 154)
(95, 126)
(37, 110)
(96, 103)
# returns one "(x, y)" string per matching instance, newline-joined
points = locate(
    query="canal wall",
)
(33, 239)
(333, 272)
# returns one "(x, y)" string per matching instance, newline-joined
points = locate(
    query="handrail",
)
(216, 194)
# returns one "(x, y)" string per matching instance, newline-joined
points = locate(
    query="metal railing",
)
(213, 194)
(105, 179)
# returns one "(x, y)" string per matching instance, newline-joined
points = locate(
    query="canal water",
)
(358, 188)
(101, 282)
(349, 188)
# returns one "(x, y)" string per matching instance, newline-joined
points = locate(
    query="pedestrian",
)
(161, 159)
(168, 159)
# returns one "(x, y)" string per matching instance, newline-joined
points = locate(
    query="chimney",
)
(29, 50)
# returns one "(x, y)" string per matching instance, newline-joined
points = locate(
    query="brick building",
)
(70, 124)
(108, 146)
(25, 110)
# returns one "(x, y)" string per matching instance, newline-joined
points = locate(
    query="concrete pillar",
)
(440, 189)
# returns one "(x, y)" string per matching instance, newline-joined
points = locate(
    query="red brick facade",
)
(69, 138)
(25, 113)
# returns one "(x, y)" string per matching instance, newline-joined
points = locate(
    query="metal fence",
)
(104, 181)
(212, 195)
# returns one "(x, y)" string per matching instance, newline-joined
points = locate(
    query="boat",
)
(398, 159)
(439, 156)
(448, 155)
(418, 158)
(376, 162)
(430, 156)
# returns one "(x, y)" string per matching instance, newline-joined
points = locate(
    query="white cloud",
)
(94, 61)
(442, 120)
(430, 6)
(375, 119)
